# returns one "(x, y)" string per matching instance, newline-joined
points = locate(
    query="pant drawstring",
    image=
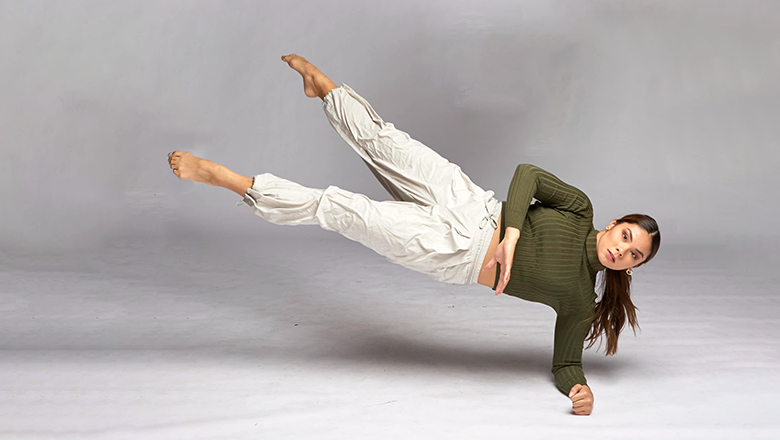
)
(489, 217)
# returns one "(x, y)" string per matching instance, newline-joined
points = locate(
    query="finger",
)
(583, 396)
(586, 408)
(574, 390)
(581, 403)
(490, 264)
(501, 286)
(505, 278)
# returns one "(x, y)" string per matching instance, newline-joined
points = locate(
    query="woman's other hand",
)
(581, 399)
(505, 253)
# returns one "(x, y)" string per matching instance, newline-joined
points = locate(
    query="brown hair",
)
(615, 307)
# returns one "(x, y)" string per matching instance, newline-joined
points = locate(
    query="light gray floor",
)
(320, 338)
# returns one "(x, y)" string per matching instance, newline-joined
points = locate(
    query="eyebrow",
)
(631, 237)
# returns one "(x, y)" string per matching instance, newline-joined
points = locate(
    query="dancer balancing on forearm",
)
(456, 232)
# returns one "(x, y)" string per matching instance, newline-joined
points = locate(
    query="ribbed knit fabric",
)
(555, 261)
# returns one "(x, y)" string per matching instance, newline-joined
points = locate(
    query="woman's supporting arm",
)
(570, 332)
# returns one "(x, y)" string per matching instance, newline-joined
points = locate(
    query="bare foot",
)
(189, 167)
(315, 83)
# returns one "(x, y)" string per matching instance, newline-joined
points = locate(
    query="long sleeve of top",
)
(555, 261)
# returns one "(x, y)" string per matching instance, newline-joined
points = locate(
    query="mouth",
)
(611, 257)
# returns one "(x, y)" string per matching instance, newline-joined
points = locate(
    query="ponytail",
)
(616, 307)
(613, 311)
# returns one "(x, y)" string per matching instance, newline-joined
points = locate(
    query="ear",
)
(611, 224)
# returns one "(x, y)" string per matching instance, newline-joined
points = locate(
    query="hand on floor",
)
(581, 399)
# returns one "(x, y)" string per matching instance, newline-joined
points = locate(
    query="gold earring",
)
(629, 272)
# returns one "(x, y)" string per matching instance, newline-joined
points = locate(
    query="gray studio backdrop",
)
(664, 107)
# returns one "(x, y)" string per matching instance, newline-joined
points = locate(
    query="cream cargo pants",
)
(440, 223)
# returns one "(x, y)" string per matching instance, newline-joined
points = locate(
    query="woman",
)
(444, 225)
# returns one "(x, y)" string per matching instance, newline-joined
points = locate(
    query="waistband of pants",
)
(484, 236)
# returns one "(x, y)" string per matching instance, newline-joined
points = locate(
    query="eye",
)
(633, 255)
(624, 237)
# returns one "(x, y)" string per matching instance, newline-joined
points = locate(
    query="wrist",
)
(511, 233)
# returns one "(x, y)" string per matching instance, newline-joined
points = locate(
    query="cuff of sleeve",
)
(568, 377)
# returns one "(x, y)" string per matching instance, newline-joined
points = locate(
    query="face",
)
(623, 246)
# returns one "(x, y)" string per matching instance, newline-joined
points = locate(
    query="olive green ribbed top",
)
(555, 261)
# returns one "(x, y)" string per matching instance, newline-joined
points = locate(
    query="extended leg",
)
(407, 169)
(189, 167)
